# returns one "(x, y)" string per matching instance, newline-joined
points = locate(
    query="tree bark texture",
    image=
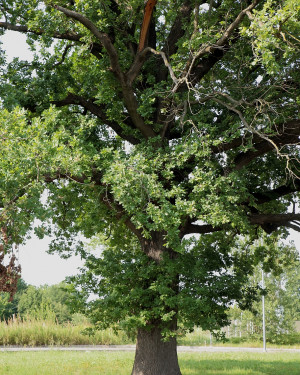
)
(154, 356)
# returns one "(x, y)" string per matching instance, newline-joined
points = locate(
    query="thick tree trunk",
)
(154, 356)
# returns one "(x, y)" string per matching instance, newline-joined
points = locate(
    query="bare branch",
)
(138, 63)
(289, 135)
(146, 23)
(215, 51)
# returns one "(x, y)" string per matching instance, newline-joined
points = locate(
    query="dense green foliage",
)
(125, 281)
(44, 302)
(10, 308)
(30, 302)
(170, 148)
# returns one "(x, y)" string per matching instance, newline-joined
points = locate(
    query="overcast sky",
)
(38, 267)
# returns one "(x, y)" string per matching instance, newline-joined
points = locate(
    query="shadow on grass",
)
(239, 367)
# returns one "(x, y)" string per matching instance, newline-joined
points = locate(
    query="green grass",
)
(120, 363)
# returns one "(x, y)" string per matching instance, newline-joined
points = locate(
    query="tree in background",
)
(45, 302)
(37, 303)
(149, 126)
(282, 297)
(9, 308)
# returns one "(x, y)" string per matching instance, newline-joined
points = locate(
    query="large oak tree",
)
(171, 128)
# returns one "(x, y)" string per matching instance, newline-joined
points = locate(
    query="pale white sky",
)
(38, 267)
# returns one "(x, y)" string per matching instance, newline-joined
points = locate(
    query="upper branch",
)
(177, 31)
(95, 47)
(128, 94)
(146, 23)
(198, 64)
(24, 29)
(102, 37)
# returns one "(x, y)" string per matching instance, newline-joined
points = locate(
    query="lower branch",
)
(268, 222)
(97, 111)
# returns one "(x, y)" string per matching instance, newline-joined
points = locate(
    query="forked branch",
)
(102, 37)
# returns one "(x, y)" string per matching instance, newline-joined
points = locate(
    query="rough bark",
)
(154, 356)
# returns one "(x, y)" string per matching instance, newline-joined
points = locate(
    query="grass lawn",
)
(120, 363)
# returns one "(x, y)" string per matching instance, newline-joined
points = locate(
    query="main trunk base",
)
(153, 356)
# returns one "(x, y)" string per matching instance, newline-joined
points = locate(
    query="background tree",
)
(281, 269)
(147, 127)
(9, 308)
(37, 302)
(45, 302)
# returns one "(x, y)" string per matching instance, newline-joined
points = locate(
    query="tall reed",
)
(36, 332)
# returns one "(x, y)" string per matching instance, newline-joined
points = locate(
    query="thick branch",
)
(281, 191)
(269, 222)
(102, 37)
(97, 111)
(128, 95)
(278, 219)
(132, 107)
(141, 55)
(95, 47)
(200, 229)
(177, 31)
(288, 134)
(24, 29)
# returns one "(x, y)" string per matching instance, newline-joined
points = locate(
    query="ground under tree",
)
(150, 123)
